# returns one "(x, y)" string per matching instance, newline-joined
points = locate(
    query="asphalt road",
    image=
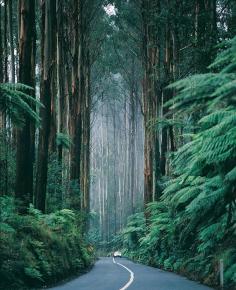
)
(122, 274)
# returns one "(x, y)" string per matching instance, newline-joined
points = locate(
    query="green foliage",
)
(193, 225)
(64, 140)
(61, 192)
(7, 163)
(16, 102)
(55, 187)
(134, 231)
(37, 248)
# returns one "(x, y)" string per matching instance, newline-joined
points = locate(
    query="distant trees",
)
(166, 41)
(117, 131)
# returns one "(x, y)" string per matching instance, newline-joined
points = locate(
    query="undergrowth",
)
(39, 249)
(192, 226)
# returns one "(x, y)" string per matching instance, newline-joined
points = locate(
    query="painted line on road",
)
(131, 280)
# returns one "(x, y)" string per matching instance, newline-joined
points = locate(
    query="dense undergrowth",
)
(38, 249)
(193, 224)
(160, 246)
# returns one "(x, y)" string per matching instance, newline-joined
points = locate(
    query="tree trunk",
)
(53, 81)
(25, 137)
(166, 94)
(115, 193)
(48, 49)
(61, 88)
(150, 99)
(6, 79)
(132, 140)
(205, 34)
(75, 106)
(10, 25)
(1, 47)
(2, 115)
(85, 152)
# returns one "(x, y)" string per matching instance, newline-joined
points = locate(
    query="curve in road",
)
(131, 275)
(109, 274)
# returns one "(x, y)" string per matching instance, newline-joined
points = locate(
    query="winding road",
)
(122, 274)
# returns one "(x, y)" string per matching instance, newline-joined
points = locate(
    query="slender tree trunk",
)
(107, 199)
(150, 100)
(3, 78)
(10, 25)
(1, 47)
(132, 141)
(205, 33)
(103, 182)
(2, 115)
(53, 81)
(48, 49)
(6, 79)
(126, 164)
(85, 158)
(61, 91)
(75, 102)
(166, 94)
(25, 137)
(115, 171)
(85, 98)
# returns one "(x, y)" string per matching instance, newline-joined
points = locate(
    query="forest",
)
(117, 131)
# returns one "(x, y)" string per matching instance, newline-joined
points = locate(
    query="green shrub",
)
(192, 226)
(36, 249)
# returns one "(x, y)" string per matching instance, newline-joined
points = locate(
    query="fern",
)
(18, 104)
(195, 219)
(64, 140)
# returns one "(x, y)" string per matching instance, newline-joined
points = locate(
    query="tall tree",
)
(151, 98)
(26, 135)
(205, 33)
(1, 46)
(75, 101)
(11, 40)
(5, 29)
(47, 88)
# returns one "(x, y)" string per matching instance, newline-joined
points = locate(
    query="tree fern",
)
(195, 219)
(64, 140)
(17, 103)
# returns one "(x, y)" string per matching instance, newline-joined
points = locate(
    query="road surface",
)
(122, 274)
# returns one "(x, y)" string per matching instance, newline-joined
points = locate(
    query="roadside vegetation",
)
(36, 249)
(192, 225)
(40, 249)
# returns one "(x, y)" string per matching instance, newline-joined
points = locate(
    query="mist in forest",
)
(117, 158)
(117, 138)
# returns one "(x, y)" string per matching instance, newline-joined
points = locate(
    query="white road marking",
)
(131, 280)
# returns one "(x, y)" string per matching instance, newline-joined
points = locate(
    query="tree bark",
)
(6, 79)
(1, 47)
(150, 99)
(25, 137)
(75, 106)
(53, 81)
(10, 25)
(48, 49)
